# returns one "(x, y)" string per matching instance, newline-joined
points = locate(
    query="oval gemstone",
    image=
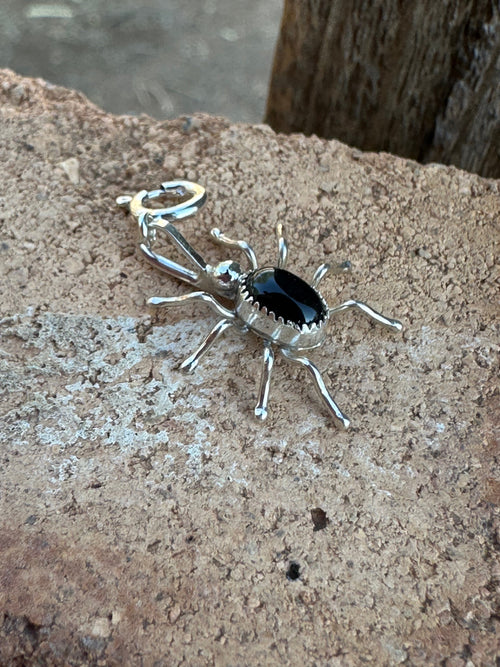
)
(286, 295)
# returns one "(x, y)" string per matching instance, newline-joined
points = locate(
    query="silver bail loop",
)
(150, 220)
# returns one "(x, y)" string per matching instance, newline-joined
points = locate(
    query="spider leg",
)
(191, 362)
(321, 271)
(333, 408)
(168, 301)
(265, 381)
(245, 247)
(395, 325)
(282, 247)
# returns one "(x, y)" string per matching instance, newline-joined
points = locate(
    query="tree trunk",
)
(420, 79)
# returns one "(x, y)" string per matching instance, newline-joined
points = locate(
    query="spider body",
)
(285, 311)
(282, 308)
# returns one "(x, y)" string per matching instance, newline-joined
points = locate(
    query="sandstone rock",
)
(147, 518)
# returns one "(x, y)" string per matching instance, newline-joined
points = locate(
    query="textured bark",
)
(419, 79)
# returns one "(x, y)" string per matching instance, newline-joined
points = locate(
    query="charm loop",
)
(152, 219)
(159, 216)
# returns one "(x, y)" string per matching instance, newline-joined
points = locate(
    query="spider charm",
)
(285, 311)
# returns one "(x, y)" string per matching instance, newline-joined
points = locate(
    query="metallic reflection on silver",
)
(265, 381)
(282, 247)
(372, 314)
(245, 247)
(320, 387)
(166, 301)
(324, 269)
(319, 274)
(191, 362)
(229, 281)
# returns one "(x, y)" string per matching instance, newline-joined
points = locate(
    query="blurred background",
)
(420, 80)
(160, 57)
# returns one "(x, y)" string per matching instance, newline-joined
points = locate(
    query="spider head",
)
(226, 277)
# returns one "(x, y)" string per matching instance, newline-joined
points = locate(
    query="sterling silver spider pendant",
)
(285, 311)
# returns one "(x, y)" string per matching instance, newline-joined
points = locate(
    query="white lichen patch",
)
(72, 382)
(73, 385)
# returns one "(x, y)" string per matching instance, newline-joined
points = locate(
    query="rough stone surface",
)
(146, 517)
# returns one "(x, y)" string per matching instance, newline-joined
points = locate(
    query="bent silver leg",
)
(394, 325)
(282, 247)
(333, 408)
(321, 271)
(168, 301)
(265, 381)
(192, 361)
(245, 247)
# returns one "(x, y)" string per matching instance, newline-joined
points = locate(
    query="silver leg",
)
(282, 247)
(321, 271)
(168, 301)
(320, 387)
(395, 325)
(192, 361)
(245, 247)
(265, 381)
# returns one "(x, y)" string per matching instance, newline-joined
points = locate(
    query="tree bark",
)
(419, 79)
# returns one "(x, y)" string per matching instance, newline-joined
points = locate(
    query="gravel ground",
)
(160, 57)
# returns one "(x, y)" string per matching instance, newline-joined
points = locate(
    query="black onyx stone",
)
(286, 295)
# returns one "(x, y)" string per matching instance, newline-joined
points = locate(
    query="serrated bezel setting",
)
(263, 321)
